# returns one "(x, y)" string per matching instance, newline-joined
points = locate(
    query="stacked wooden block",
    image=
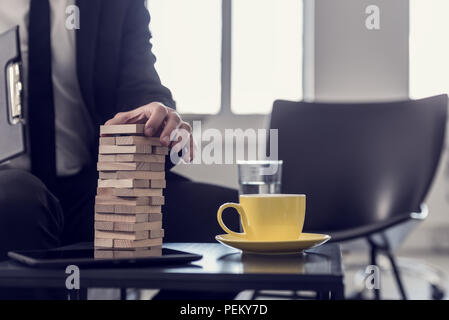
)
(128, 205)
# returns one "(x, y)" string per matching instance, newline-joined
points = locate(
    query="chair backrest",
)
(359, 164)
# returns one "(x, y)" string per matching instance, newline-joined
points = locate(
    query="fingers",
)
(134, 116)
(156, 114)
(153, 115)
(173, 122)
(120, 118)
(161, 120)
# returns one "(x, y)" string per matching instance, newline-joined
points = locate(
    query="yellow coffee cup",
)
(268, 217)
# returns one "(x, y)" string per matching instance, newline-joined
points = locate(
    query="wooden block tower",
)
(128, 205)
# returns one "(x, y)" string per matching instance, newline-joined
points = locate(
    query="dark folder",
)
(12, 122)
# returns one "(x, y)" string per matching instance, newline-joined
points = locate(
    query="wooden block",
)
(105, 208)
(112, 200)
(157, 201)
(117, 254)
(103, 254)
(153, 158)
(135, 129)
(137, 243)
(160, 150)
(107, 141)
(129, 201)
(159, 167)
(122, 209)
(154, 252)
(157, 184)
(127, 227)
(136, 235)
(153, 217)
(126, 183)
(108, 175)
(105, 192)
(144, 175)
(155, 234)
(104, 225)
(123, 166)
(104, 243)
(131, 227)
(130, 218)
(127, 209)
(146, 149)
(108, 163)
(107, 158)
(137, 192)
(138, 140)
(140, 249)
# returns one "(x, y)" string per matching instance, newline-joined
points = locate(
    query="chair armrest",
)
(365, 231)
(421, 215)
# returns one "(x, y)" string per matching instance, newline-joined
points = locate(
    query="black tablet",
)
(101, 258)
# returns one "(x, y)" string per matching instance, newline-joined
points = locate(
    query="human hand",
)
(160, 121)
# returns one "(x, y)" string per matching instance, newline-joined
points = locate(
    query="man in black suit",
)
(116, 83)
(77, 80)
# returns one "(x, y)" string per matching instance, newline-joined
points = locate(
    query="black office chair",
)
(365, 168)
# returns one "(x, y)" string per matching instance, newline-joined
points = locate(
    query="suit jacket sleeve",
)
(139, 83)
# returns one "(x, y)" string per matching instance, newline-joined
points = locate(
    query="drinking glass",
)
(260, 177)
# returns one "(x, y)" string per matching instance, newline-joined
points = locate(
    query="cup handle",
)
(243, 218)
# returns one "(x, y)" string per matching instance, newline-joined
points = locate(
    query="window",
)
(266, 54)
(187, 44)
(240, 63)
(429, 48)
